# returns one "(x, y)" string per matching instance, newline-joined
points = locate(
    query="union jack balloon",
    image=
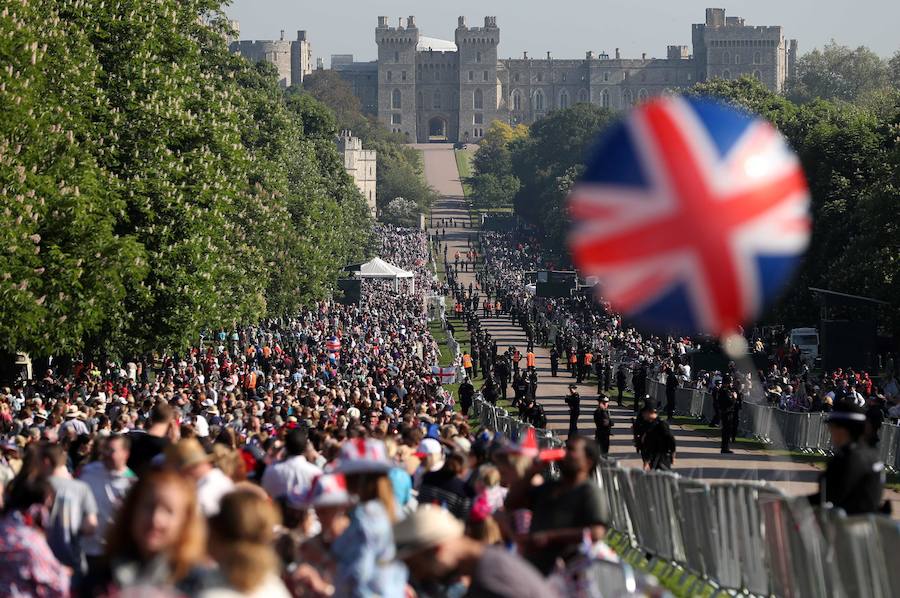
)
(692, 214)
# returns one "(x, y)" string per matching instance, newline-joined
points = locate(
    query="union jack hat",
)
(327, 490)
(363, 455)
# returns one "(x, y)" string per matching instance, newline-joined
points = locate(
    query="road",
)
(697, 456)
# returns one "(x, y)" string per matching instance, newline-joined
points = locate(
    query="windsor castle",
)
(431, 89)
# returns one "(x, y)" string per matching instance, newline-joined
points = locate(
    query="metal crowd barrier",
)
(750, 538)
(799, 431)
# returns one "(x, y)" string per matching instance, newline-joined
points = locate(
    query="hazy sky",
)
(570, 27)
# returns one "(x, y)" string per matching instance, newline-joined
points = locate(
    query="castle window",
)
(726, 58)
(436, 100)
(540, 77)
(437, 75)
(757, 75)
(582, 96)
(396, 119)
(627, 98)
(539, 101)
(643, 76)
(403, 76)
(564, 100)
(737, 58)
(390, 75)
(477, 56)
(396, 56)
(478, 100)
(517, 100)
(606, 76)
(757, 58)
(564, 77)
(726, 74)
(516, 77)
(471, 75)
(419, 102)
(642, 95)
(484, 76)
(478, 119)
(604, 98)
(396, 102)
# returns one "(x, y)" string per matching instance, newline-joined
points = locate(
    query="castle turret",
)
(397, 75)
(480, 90)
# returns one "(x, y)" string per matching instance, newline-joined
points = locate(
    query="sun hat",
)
(186, 453)
(362, 455)
(73, 412)
(426, 527)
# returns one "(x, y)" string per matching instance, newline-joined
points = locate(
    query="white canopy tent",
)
(378, 268)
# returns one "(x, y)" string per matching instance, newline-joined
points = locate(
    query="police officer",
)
(727, 401)
(671, 387)
(554, 361)
(466, 392)
(854, 477)
(489, 391)
(620, 383)
(657, 443)
(573, 400)
(603, 424)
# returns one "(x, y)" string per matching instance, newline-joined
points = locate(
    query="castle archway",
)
(437, 129)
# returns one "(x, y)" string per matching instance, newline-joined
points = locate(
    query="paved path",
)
(697, 456)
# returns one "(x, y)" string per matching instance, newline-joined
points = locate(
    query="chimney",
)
(382, 21)
(411, 22)
(548, 55)
(461, 22)
(643, 56)
(282, 35)
(589, 55)
(399, 22)
(618, 56)
(301, 36)
(524, 55)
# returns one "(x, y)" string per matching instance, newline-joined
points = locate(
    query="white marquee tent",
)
(378, 268)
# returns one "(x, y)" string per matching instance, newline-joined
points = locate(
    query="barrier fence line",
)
(745, 537)
(800, 431)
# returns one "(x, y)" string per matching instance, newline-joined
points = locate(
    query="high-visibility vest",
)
(250, 382)
(530, 359)
(467, 361)
(588, 358)
(573, 358)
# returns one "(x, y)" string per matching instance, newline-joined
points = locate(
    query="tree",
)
(64, 267)
(555, 145)
(401, 212)
(840, 73)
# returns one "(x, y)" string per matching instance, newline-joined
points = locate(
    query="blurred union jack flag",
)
(692, 214)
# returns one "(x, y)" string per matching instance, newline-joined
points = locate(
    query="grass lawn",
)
(464, 166)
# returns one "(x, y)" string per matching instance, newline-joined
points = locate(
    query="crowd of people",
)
(315, 455)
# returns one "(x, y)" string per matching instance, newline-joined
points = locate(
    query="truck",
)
(807, 340)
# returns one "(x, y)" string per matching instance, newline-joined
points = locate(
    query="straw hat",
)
(72, 412)
(425, 528)
(186, 453)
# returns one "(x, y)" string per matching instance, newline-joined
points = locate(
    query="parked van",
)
(807, 340)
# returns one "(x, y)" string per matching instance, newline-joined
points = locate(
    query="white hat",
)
(430, 446)
(363, 455)
(462, 443)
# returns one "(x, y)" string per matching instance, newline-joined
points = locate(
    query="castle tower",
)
(727, 48)
(397, 76)
(479, 86)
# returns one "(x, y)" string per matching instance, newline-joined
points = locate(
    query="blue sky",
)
(572, 26)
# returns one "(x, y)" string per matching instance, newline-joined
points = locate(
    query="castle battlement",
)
(431, 89)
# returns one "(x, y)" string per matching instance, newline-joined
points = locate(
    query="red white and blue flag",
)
(693, 215)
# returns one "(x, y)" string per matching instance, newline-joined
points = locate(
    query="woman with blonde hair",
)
(365, 552)
(158, 539)
(241, 541)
